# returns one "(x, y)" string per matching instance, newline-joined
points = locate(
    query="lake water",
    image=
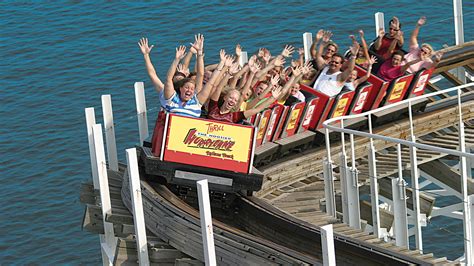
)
(59, 57)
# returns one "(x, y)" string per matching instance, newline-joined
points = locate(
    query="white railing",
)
(349, 176)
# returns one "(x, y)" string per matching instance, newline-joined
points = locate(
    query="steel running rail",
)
(349, 176)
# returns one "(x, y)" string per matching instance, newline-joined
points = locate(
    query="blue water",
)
(59, 57)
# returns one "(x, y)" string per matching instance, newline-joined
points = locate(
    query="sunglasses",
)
(393, 29)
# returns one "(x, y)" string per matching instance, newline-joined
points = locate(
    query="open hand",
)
(229, 60)
(354, 49)
(301, 51)
(234, 68)
(381, 33)
(297, 70)
(421, 21)
(320, 34)
(222, 55)
(287, 51)
(308, 66)
(238, 50)
(438, 56)
(361, 33)
(198, 44)
(276, 92)
(372, 60)
(275, 79)
(279, 61)
(180, 52)
(143, 43)
(327, 36)
(180, 68)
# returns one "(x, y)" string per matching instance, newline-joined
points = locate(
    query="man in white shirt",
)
(331, 80)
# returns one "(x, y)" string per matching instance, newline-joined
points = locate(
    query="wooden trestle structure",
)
(280, 224)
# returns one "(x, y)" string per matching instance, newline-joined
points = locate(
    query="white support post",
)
(344, 176)
(307, 42)
(108, 240)
(329, 188)
(374, 192)
(471, 213)
(138, 218)
(459, 35)
(206, 222)
(468, 252)
(90, 122)
(353, 191)
(141, 111)
(109, 132)
(416, 197)
(327, 242)
(344, 170)
(400, 205)
(379, 22)
(374, 186)
(243, 59)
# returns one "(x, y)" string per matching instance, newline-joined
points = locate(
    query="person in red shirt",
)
(392, 69)
(386, 43)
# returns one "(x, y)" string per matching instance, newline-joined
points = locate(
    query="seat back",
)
(273, 123)
(308, 114)
(341, 104)
(360, 98)
(397, 89)
(418, 84)
(262, 126)
(294, 116)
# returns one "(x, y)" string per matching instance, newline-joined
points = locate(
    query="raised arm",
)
(217, 92)
(437, 58)
(301, 56)
(238, 52)
(344, 75)
(169, 87)
(372, 60)
(145, 49)
(320, 62)
(416, 31)
(187, 58)
(318, 38)
(393, 45)
(378, 42)
(208, 88)
(404, 68)
(297, 74)
(238, 75)
(364, 45)
(254, 67)
(396, 23)
(276, 93)
(198, 46)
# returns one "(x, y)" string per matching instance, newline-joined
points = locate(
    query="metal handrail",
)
(326, 124)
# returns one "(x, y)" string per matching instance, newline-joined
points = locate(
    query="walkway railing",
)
(349, 175)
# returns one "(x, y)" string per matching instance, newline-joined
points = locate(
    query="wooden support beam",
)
(445, 174)
(451, 78)
(434, 88)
